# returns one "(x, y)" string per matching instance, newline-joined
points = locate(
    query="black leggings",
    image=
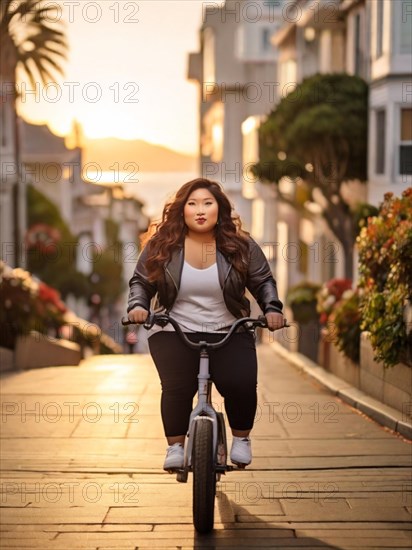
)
(233, 369)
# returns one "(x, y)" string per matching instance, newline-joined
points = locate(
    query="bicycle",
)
(205, 449)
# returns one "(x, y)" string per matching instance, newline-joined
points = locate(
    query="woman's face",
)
(201, 211)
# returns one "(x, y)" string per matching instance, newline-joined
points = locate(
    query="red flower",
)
(42, 236)
(330, 295)
(51, 296)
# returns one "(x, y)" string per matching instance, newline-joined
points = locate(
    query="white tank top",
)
(199, 306)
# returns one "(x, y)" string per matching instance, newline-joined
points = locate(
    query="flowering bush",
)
(43, 237)
(329, 295)
(27, 304)
(18, 294)
(385, 252)
(361, 212)
(344, 325)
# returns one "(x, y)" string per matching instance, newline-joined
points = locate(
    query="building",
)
(112, 204)
(236, 73)
(371, 39)
(390, 103)
(54, 169)
(311, 40)
(60, 174)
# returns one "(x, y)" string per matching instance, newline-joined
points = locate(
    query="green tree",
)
(53, 258)
(107, 276)
(317, 136)
(30, 40)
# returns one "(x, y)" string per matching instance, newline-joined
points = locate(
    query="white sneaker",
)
(174, 457)
(241, 451)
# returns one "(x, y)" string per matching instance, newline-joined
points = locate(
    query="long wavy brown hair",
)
(164, 237)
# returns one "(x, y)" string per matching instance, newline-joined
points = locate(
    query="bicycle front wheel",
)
(204, 477)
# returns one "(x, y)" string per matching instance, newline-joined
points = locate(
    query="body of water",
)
(153, 189)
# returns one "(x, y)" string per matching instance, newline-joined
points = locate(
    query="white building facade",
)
(390, 108)
(370, 39)
(236, 72)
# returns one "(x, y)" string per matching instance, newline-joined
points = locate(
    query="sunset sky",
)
(124, 52)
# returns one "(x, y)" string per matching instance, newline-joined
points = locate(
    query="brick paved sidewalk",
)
(83, 447)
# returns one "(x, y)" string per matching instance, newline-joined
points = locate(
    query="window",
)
(379, 28)
(266, 45)
(380, 141)
(405, 147)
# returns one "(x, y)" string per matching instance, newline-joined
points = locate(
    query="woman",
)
(199, 263)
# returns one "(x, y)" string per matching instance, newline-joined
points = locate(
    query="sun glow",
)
(131, 86)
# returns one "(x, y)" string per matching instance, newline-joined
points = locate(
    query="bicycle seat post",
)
(204, 374)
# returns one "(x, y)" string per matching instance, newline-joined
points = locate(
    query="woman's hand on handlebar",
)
(138, 315)
(275, 320)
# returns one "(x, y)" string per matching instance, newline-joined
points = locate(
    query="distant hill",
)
(149, 157)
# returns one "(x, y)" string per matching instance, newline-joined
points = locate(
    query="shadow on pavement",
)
(237, 535)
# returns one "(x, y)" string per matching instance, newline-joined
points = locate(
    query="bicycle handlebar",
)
(162, 319)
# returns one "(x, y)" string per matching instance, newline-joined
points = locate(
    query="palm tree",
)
(31, 40)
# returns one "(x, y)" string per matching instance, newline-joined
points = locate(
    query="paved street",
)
(83, 448)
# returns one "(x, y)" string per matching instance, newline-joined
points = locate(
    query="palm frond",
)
(23, 9)
(48, 43)
(37, 72)
(43, 10)
(45, 74)
(58, 53)
(44, 44)
(6, 15)
(39, 58)
(36, 61)
(28, 71)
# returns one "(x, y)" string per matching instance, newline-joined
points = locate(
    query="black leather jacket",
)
(259, 281)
